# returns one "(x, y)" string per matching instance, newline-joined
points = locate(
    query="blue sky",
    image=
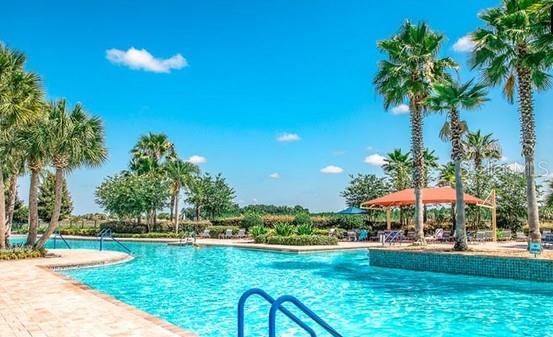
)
(248, 72)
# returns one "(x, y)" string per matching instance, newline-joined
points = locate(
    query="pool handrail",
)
(277, 305)
(57, 234)
(107, 233)
(268, 298)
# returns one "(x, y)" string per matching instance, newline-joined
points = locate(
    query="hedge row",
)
(21, 253)
(298, 240)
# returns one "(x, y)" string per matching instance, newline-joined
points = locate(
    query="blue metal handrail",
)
(107, 233)
(268, 298)
(277, 305)
(57, 234)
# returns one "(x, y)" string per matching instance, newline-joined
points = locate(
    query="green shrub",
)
(215, 231)
(302, 219)
(21, 253)
(256, 231)
(124, 227)
(301, 240)
(284, 229)
(272, 220)
(233, 221)
(304, 229)
(251, 220)
(260, 238)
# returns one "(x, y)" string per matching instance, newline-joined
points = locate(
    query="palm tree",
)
(75, 139)
(20, 94)
(478, 148)
(14, 167)
(452, 97)
(181, 174)
(36, 144)
(155, 147)
(407, 75)
(510, 52)
(398, 166)
(430, 163)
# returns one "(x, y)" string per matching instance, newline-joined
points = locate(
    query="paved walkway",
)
(35, 301)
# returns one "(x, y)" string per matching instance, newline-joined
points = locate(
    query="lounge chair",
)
(547, 240)
(228, 234)
(241, 233)
(438, 234)
(520, 236)
(411, 235)
(205, 234)
(363, 235)
(352, 236)
(332, 232)
(506, 235)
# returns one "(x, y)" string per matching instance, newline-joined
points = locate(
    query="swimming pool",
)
(198, 289)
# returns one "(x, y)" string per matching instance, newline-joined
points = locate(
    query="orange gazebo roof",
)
(433, 195)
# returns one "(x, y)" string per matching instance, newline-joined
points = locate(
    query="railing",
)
(57, 234)
(276, 305)
(107, 233)
(187, 237)
(391, 237)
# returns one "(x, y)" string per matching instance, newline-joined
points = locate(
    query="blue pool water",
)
(198, 289)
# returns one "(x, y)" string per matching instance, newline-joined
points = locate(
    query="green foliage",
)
(46, 199)
(211, 196)
(251, 220)
(232, 221)
(304, 229)
(284, 229)
(21, 212)
(302, 219)
(511, 198)
(273, 209)
(256, 231)
(399, 168)
(301, 240)
(215, 231)
(21, 253)
(364, 187)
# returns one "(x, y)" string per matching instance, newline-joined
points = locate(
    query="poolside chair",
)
(411, 235)
(332, 232)
(228, 234)
(352, 236)
(506, 235)
(520, 236)
(241, 233)
(205, 234)
(547, 240)
(363, 235)
(438, 234)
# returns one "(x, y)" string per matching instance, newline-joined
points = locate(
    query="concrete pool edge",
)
(66, 288)
(472, 264)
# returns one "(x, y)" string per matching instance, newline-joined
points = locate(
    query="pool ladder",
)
(107, 233)
(277, 305)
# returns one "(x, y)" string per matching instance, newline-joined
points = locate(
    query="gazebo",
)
(430, 196)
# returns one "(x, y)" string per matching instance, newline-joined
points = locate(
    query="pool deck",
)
(36, 301)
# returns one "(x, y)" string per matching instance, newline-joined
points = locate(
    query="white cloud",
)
(375, 160)
(400, 109)
(331, 169)
(464, 44)
(141, 59)
(274, 175)
(516, 167)
(196, 159)
(288, 137)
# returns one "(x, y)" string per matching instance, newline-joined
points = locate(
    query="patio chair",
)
(547, 240)
(228, 234)
(520, 236)
(411, 235)
(332, 232)
(241, 233)
(363, 235)
(438, 234)
(506, 235)
(205, 234)
(352, 236)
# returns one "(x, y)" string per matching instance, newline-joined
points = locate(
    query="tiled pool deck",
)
(35, 301)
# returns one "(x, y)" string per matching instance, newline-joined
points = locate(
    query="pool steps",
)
(276, 306)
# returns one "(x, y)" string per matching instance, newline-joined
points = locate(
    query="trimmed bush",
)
(304, 229)
(21, 253)
(215, 231)
(234, 221)
(302, 240)
(124, 227)
(251, 220)
(302, 219)
(272, 220)
(284, 229)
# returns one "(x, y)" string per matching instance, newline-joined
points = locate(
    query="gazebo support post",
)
(494, 217)
(388, 219)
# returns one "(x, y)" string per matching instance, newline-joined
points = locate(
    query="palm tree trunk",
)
(33, 208)
(56, 212)
(2, 212)
(528, 147)
(457, 156)
(172, 207)
(12, 194)
(176, 208)
(417, 147)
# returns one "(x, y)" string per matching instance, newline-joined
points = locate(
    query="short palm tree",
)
(411, 68)
(75, 139)
(398, 166)
(479, 147)
(430, 164)
(510, 52)
(181, 174)
(451, 98)
(20, 94)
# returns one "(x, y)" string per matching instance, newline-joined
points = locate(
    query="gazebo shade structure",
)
(430, 196)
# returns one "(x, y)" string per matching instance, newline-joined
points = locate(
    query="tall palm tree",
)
(75, 139)
(181, 174)
(451, 98)
(14, 167)
(430, 163)
(155, 147)
(398, 166)
(36, 144)
(411, 68)
(20, 93)
(510, 52)
(479, 147)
